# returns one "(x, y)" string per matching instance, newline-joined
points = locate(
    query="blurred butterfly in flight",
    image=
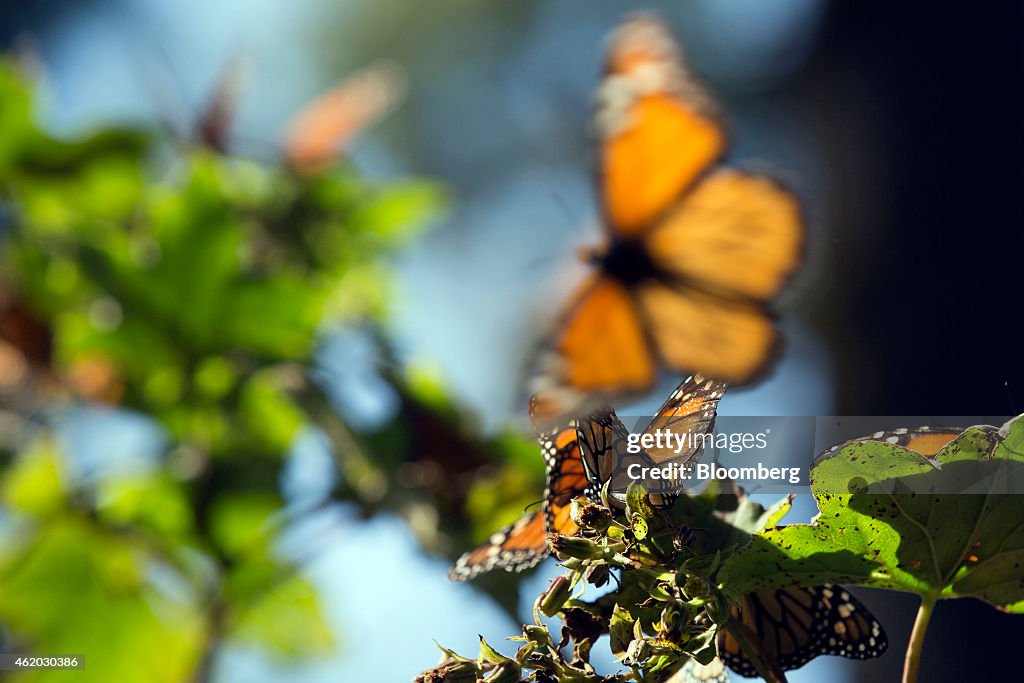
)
(321, 132)
(693, 252)
(317, 136)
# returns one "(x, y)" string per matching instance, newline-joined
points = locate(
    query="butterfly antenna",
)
(533, 504)
(1009, 397)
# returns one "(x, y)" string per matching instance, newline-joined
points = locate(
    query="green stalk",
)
(912, 663)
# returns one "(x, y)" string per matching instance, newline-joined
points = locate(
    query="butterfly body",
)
(626, 261)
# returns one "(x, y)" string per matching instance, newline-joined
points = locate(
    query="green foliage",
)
(944, 526)
(892, 518)
(195, 288)
(74, 585)
(665, 610)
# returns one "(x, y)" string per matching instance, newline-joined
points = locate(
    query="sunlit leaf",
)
(286, 619)
(79, 590)
(242, 523)
(34, 484)
(890, 518)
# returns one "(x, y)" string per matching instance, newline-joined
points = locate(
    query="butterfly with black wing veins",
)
(580, 460)
(585, 459)
(694, 252)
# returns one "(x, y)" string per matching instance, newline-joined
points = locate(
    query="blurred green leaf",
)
(76, 589)
(152, 502)
(272, 417)
(277, 318)
(287, 619)
(34, 483)
(243, 523)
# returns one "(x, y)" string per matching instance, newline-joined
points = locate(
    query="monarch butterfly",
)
(573, 471)
(523, 544)
(604, 440)
(694, 253)
(318, 133)
(926, 441)
(795, 625)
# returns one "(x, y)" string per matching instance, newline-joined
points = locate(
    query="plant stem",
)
(912, 663)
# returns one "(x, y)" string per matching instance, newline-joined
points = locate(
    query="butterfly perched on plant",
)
(694, 252)
(794, 625)
(926, 441)
(604, 442)
(580, 460)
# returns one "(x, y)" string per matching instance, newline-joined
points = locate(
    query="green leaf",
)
(34, 483)
(773, 515)
(397, 213)
(489, 654)
(78, 589)
(620, 630)
(242, 523)
(278, 318)
(271, 416)
(891, 519)
(154, 502)
(286, 619)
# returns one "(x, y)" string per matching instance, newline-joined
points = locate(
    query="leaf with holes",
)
(891, 518)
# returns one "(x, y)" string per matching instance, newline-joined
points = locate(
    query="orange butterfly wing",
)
(567, 480)
(795, 625)
(514, 548)
(692, 329)
(603, 341)
(691, 409)
(658, 129)
(735, 234)
(523, 544)
(601, 346)
(928, 443)
(320, 132)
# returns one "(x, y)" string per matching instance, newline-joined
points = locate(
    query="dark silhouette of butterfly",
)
(795, 625)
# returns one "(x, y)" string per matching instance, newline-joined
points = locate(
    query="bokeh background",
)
(900, 128)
